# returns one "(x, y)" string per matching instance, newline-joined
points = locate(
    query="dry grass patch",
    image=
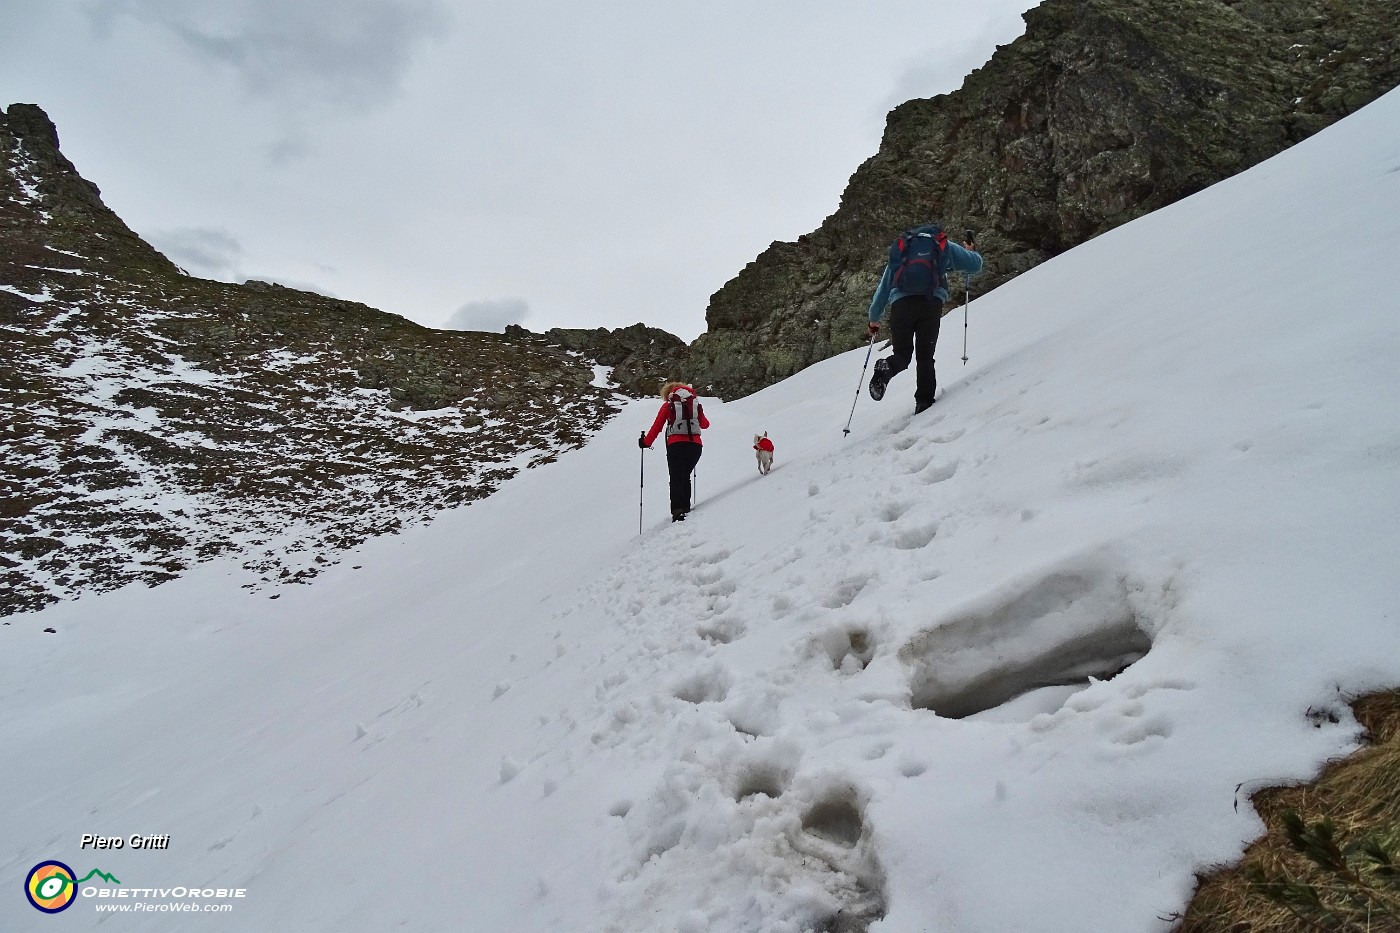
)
(1331, 858)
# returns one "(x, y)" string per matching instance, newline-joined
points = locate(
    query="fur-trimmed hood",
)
(677, 392)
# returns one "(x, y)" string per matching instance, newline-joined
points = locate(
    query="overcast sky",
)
(530, 161)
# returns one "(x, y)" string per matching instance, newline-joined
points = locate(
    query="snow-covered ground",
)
(868, 685)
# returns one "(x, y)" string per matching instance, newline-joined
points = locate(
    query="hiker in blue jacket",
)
(915, 297)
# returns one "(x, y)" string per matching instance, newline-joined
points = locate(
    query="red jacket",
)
(764, 444)
(663, 417)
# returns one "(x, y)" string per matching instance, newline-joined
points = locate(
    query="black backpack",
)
(917, 261)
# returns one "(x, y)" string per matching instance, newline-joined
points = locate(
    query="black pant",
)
(914, 333)
(681, 458)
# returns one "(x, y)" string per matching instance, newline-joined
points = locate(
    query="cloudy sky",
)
(481, 162)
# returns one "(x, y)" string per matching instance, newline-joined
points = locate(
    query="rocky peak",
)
(1103, 111)
(44, 199)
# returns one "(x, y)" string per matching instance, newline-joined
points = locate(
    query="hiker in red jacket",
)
(682, 416)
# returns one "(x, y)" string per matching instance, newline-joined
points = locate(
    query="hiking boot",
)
(678, 515)
(923, 406)
(879, 379)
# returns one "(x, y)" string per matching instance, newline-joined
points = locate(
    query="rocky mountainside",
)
(1103, 111)
(152, 419)
(641, 358)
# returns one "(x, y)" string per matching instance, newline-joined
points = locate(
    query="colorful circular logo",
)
(51, 887)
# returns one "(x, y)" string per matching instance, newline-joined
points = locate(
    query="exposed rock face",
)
(151, 420)
(641, 357)
(1103, 111)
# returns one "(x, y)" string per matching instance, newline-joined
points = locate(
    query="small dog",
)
(763, 450)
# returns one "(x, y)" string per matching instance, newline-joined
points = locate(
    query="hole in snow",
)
(744, 727)
(766, 779)
(1042, 644)
(835, 819)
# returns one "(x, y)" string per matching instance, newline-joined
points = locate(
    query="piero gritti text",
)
(134, 841)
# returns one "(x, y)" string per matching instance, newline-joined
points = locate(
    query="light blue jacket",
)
(955, 259)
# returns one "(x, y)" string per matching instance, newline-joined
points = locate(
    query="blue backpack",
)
(917, 261)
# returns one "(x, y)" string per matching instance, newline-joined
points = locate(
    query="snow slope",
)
(868, 685)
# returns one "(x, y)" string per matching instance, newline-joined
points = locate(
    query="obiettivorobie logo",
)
(52, 886)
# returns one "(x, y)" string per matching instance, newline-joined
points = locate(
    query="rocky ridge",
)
(153, 419)
(640, 358)
(1103, 111)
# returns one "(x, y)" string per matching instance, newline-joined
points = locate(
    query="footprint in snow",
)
(949, 436)
(891, 511)
(917, 464)
(938, 473)
(835, 836)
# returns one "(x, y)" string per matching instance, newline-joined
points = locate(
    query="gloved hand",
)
(874, 327)
(642, 442)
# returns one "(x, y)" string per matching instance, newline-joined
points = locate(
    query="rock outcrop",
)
(1103, 111)
(641, 358)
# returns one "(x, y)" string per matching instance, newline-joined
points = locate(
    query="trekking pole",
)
(847, 429)
(642, 484)
(966, 301)
(694, 486)
(971, 236)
